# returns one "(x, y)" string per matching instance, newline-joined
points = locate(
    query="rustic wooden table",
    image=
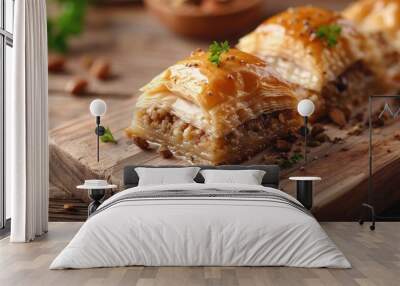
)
(140, 48)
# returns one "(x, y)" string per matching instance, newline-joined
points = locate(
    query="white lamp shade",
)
(98, 107)
(306, 107)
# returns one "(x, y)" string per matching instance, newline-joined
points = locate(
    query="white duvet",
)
(200, 231)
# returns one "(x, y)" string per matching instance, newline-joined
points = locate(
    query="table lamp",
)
(98, 108)
(305, 108)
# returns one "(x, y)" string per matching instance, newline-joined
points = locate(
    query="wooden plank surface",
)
(68, 210)
(343, 166)
(374, 257)
(139, 48)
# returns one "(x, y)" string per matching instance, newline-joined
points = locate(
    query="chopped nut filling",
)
(253, 136)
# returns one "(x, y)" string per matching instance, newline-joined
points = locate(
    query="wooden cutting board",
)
(343, 166)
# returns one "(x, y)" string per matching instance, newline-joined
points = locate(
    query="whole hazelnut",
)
(101, 69)
(77, 86)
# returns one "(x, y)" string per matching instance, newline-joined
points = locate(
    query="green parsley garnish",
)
(329, 33)
(216, 50)
(288, 163)
(108, 137)
(67, 23)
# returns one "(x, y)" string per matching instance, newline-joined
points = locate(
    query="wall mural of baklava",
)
(177, 101)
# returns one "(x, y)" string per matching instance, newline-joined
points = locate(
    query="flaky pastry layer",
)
(377, 16)
(380, 21)
(289, 42)
(218, 98)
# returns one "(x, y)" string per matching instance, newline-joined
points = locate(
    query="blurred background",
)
(110, 48)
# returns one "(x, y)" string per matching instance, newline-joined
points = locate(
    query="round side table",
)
(96, 194)
(305, 190)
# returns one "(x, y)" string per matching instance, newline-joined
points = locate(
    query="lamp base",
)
(373, 217)
(305, 193)
(100, 130)
(304, 130)
(96, 195)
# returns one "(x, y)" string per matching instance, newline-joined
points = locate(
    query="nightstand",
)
(96, 191)
(305, 190)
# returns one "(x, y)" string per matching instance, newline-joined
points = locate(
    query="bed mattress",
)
(201, 225)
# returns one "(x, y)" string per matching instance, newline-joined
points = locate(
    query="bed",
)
(201, 224)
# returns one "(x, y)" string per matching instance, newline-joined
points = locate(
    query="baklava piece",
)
(216, 112)
(318, 50)
(380, 21)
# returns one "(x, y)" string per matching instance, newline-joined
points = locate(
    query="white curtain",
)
(27, 124)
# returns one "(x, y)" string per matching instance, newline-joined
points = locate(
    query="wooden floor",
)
(375, 257)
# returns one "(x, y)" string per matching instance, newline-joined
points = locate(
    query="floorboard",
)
(375, 257)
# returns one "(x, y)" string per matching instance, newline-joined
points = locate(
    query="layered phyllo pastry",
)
(380, 21)
(216, 107)
(318, 50)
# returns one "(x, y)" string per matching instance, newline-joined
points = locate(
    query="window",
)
(6, 43)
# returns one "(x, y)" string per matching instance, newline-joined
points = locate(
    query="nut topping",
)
(165, 152)
(141, 143)
(338, 117)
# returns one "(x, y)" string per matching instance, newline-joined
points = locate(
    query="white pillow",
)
(166, 176)
(247, 177)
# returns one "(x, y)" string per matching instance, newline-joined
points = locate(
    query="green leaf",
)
(329, 33)
(72, 18)
(69, 22)
(108, 137)
(59, 43)
(296, 157)
(216, 50)
(285, 164)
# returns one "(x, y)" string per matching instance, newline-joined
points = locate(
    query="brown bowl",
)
(209, 20)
